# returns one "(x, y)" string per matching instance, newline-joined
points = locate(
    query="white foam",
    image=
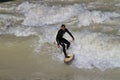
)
(39, 15)
(47, 36)
(10, 18)
(93, 50)
(88, 17)
(96, 50)
(25, 7)
(48, 15)
(22, 32)
(8, 26)
(18, 31)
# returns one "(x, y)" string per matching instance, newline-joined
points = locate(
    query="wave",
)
(94, 50)
(40, 15)
(18, 31)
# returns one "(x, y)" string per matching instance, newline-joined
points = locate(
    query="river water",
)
(28, 31)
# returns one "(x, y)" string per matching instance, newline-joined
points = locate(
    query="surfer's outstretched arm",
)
(58, 39)
(58, 42)
(70, 34)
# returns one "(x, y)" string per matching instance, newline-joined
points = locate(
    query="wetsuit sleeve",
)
(57, 39)
(58, 42)
(69, 33)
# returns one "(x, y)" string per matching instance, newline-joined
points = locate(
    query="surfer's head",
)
(63, 26)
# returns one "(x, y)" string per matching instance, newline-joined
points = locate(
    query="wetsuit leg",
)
(63, 45)
(66, 42)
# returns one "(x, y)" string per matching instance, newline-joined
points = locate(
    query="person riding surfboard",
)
(62, 41)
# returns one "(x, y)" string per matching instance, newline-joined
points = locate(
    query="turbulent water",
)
(28, 31)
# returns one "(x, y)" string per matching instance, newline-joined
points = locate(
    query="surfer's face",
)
(62, 27)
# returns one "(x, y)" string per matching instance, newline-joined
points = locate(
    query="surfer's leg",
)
(66, 42)
(63, 45)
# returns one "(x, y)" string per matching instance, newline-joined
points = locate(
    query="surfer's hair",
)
(63, 25)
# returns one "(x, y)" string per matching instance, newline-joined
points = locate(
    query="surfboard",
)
(67, 60)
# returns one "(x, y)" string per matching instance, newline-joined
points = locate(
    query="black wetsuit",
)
(62, 41)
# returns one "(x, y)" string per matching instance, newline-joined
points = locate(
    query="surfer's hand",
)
(58, 46)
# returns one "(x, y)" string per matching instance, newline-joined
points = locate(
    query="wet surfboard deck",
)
(67, 60)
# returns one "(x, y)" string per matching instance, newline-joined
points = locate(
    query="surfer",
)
(62, 41)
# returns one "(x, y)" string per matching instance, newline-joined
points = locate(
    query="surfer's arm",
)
(58, 42)
(57, 39)
(69, 33)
